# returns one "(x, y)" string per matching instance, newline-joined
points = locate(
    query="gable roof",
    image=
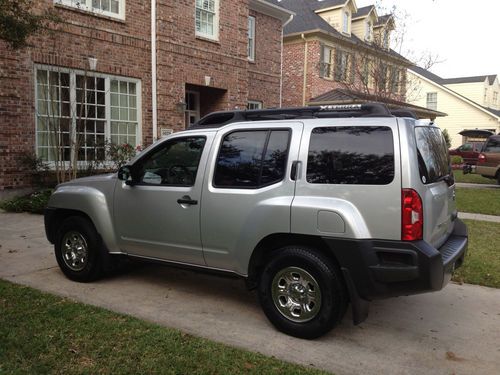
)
(383, 20)
(431, 77)
(307, 20)
(363, 12)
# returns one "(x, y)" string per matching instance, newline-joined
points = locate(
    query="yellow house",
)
(431, 91)
(481, 89)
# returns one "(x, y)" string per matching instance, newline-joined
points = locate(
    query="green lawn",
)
(482, 262)
(42, 333)
(472, 178)
(479, 201)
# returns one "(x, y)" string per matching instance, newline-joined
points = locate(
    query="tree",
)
(18, 21)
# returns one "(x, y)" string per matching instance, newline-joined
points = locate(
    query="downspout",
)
(153, 71)
(282, 46)
(305, 70)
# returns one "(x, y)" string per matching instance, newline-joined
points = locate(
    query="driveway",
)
(454, 331)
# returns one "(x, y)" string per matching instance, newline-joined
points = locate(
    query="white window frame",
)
(346, 15)
(86, 5)
(495, 97)
(107, 84)
(368, 31)
(251, 38)
(431, 100)
(216, 13)
(255, 104)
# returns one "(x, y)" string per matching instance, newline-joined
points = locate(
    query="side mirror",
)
(125, 174)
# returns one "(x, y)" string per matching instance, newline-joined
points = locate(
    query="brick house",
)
(128, 71)
(336, 53)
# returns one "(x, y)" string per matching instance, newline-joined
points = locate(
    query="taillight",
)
(481, 158)
(412, 216)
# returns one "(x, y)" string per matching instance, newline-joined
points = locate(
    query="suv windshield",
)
(433, 159)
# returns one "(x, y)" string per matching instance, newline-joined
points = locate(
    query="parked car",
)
(315, 207)
(489, 159)
(468, 151)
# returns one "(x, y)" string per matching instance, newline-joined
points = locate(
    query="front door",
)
(192, 113)
(159, 216)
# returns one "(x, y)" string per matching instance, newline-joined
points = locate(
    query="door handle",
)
(295, 170)
(187, 201)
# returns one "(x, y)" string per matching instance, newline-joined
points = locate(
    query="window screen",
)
(351, 155)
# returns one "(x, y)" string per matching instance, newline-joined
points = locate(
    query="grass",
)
(479, 201)
(33, 203)
(482, 262)
(42, 333)
(472, 178)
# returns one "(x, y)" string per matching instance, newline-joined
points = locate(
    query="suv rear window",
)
(433, 158)
(351, 155)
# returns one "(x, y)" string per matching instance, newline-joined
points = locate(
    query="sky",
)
(462, 34)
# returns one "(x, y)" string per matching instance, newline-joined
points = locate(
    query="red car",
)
(469, 152)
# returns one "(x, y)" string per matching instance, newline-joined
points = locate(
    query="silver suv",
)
(315, 207)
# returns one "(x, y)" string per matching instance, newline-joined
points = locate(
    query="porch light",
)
(181, 106)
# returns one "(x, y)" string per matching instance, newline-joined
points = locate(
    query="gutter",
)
(282, 46)
(154, 98)
(305, 70)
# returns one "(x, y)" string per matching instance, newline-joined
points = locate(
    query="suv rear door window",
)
(433, 158)
(252, 159)
(351, 155)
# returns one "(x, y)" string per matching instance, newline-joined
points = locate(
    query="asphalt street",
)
(454, 331)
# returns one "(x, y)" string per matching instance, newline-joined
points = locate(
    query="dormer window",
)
(368, 30)
(345, 25)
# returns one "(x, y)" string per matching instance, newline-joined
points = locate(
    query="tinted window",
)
(173, 163)
(433, 158)
(251, 159)
(493, 145)
(351, 155)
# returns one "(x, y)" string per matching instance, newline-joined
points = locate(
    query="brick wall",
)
(123, 48)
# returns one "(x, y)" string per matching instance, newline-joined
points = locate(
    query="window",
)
(368, 30)
(432, 100)
(326, 62)
(252, 159)
(351, 155)
(493, 145)
(175, 163)
(254, 104)
(495, 97)
(395, 77)
(345, 24)
(381, 78)
(365, 73)
(485, 95)
(207, 18)
(78, 112)
(433, 158)
(110, 8)
(386, 39)
(341, 66)
(251, 38)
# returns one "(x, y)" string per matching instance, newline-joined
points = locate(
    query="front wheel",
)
(302, 292)
(78, 250)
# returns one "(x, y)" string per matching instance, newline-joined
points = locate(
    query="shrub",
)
(34, 203)
(456, 159)
(119, 155)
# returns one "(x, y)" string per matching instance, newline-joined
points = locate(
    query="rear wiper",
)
(447, 178)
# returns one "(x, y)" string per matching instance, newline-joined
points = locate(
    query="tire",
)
(302, 292)
(78, 250)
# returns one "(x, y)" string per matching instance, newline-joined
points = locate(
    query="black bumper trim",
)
(380, 269)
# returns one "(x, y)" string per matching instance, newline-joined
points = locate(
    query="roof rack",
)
(218, 119)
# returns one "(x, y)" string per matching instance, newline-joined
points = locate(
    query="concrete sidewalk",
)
(480, 217)
(454, 331)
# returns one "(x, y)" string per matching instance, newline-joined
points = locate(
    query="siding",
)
(461, 115)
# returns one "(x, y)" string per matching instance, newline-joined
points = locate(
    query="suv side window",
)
(252, 159)
(173, 164)
(493, 145)
(351, 155)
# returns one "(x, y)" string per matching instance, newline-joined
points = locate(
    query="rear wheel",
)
(78, 250)
(302, 292)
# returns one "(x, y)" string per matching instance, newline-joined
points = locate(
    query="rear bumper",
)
(380, 269)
